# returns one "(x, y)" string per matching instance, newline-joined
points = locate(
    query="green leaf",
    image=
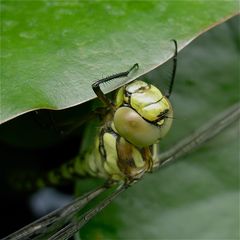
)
(52, 51)
(197, 197)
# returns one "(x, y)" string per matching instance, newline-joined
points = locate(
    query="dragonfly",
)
(137, 153)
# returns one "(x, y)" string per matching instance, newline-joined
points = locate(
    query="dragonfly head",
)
(144, 115)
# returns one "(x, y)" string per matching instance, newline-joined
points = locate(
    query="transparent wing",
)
(77, 223)
(47, 225)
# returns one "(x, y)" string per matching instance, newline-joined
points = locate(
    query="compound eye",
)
(134, 128)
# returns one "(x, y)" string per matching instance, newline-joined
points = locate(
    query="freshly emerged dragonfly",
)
(124, 150)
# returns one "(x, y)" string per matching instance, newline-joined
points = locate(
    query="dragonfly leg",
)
(173, 70)
(155, 154)
(96, 85)
(109, 183)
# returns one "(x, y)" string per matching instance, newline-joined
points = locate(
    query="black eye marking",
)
(163, 114)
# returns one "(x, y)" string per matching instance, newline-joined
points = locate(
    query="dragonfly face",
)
(124, 147)
(144, 115)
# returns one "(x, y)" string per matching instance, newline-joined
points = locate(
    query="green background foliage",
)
(53, 50)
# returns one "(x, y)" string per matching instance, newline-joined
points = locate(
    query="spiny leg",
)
(96, 86)
(173, 70)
